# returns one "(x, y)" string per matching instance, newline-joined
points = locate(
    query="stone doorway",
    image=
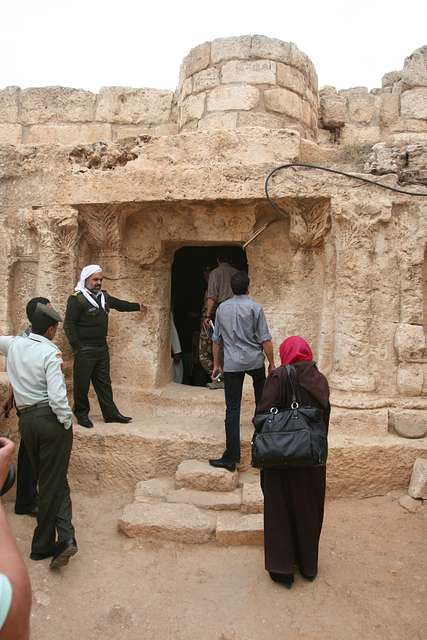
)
(189, 272)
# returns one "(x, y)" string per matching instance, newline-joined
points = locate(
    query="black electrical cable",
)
(340, 173)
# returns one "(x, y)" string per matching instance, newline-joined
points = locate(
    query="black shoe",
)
(85, 421)
(306, 577)
(223, 463)
(42, 556)
(118, 418)
(64, 551)
(33, 511)
(287, 579)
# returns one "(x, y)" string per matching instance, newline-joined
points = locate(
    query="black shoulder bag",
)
(294, 436)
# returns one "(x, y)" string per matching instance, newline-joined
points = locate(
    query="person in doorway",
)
(219, 286)
(241, 327)
(176, 354)
(34, 367)
(26, 501)
(294, 497)
(86, 327)
(219, 289)
(205, 336)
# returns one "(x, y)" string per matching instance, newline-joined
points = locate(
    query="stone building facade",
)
(128, 176)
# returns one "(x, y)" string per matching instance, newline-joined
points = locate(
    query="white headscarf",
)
(88, 271)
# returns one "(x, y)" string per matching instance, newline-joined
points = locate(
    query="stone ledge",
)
(215, 500)
(178, 523)
(199, 475)
(237, 529)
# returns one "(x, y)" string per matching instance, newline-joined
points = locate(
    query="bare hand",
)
(142, 307)
(270, 367)
(206, 323)
(7, 449)
(177, 357)
(216, 371)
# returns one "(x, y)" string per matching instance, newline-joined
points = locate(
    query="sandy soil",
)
(371, 585)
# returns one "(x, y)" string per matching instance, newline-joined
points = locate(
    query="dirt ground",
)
(372, 582)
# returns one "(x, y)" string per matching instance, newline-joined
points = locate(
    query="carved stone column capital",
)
(56, 227)
(104, 226)
(310, 221)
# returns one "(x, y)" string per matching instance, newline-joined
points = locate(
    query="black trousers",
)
(233, 386)
(92, 364)
(26, 483)
(48, 446)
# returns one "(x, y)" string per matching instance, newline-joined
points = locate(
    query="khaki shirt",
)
(219, 287)
(34, 368)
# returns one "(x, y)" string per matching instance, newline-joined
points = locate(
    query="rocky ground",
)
(371, 585)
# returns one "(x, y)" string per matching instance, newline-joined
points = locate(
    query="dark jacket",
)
(312, 389)
(86, 325)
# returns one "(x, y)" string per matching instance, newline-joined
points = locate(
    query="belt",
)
(32, 407)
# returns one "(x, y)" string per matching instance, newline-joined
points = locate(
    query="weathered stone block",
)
(353, 135)
(333, 110)
(409, 504)
(163, 521)
(228, 48)
(197, 59)
(194, 474)
(362, 109)
(219, 121)
(414, 72)
(353, 91)
(240, 97)
(260, 119)
(9, 104)
(251, 71)
(385, 158)
(252, 498)
(410, 342)
(390, 78)
(206, 79)
(418, 482)
(10, 133)
(291, 78)
(283, 101)
(67, 134)
(408, 423)
(389, 108)
(235, 529)
(192, 108)
(154, 489)
(410, 379)
(133, 106)
(215, 500)
(187, 88)
(263, 47)
(56, 104)
(413, 104)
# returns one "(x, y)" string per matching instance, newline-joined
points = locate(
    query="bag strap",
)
(292, 377)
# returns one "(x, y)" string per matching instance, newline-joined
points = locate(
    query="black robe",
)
(294, 498)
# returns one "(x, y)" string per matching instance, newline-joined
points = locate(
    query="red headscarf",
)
(294, 349)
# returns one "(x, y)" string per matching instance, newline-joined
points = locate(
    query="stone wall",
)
(248, 81)
(58, 115)
(396, 113)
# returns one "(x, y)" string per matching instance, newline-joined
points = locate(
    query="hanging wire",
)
(336, 171)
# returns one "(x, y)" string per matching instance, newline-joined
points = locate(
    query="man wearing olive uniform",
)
(86, 327)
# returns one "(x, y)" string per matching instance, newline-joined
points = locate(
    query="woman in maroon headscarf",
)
(294, 497)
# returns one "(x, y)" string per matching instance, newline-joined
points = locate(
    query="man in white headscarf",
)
(86, 327)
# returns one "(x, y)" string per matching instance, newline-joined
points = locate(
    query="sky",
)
(93, 43)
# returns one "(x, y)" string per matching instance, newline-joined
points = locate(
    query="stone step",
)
(215, 500)
(118, 456)
(164, 521)
(199, 475)
(238, 529)
(252, 498)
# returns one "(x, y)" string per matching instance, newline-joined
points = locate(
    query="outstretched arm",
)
(124, 305)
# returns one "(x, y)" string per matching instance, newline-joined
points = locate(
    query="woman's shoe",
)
(286, 579)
